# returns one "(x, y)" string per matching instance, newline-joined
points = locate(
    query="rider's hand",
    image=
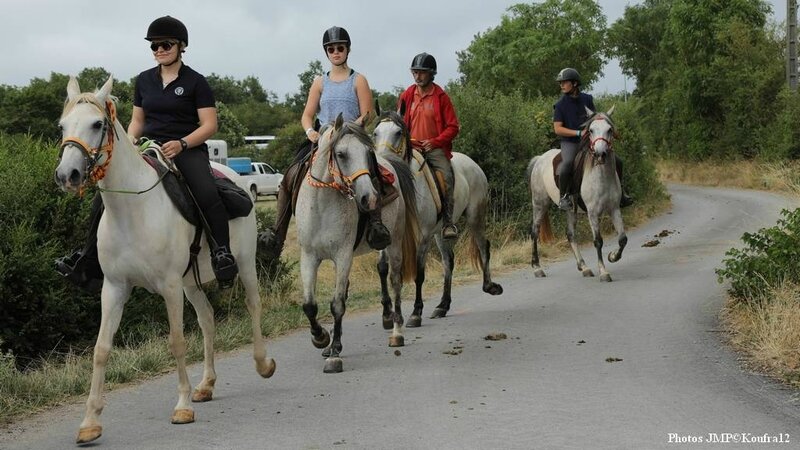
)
(313, 136)
(171, 149)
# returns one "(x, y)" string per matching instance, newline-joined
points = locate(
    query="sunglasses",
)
(335, 48)
(166, 45)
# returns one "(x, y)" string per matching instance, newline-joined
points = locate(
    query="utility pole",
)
(791, 44)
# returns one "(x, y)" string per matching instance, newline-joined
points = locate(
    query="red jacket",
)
(446, 120)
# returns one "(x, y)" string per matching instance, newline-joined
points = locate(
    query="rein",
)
(345, 187)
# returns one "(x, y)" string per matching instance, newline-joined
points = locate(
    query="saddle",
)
(425, 171)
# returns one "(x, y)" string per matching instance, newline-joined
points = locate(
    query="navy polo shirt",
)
(171, 112)
(571, 113)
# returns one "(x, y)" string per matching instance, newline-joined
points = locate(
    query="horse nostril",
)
(75, 177)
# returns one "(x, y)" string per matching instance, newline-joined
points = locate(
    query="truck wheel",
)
(254, 192)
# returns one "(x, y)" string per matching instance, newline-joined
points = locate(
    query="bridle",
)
(399, 150)
(92, 155)
(593, 141)
(345, 186)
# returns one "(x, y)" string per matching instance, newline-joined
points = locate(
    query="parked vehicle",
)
(261, 178)
(218, 151)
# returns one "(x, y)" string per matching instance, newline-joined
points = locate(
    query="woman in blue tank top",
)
(341, 90)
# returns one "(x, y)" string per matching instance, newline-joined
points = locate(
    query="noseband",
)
(593, 141)
(91, 154)
(399, 150)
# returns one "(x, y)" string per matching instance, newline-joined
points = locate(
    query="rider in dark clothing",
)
(569, 113)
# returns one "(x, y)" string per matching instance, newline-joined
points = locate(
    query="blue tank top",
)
(338, 97)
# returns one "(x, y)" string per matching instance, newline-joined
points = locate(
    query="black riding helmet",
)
(335, 35)
(168, 27)
(569, 74)
(424, 61)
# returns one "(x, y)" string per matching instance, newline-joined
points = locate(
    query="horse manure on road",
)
(495, 337)
(664, 233)
(454, 352)
(612, 359)
(651, 243)
(397, 353)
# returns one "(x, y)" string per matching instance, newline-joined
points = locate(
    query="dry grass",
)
(766, 331)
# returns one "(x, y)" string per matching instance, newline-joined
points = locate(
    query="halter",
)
(592, 142)
(396, 149)
(92, 155)
(345, 187)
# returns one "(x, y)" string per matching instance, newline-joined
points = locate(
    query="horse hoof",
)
(396, 341)
(493, 288)
(539, 273)
(438, 313)
(613, 257)
(89, 434)
(202, 395)
(605, 277)
(414, 322)
(333, 365)
(181, 416)
(587, 273)
(388, 324)
(266, 367)
(323, 341)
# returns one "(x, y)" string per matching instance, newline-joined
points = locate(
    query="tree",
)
(532, 43)
(297, 101)
(229, 127)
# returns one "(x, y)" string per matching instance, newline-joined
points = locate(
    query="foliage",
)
(782, 134)
(233, 92)
(229, 127)
(287, 141)
(297, 102)
(533, 43)
(768, 259)
(263, 118)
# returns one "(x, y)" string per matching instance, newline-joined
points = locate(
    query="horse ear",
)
(588, 111)
(73, 90)
(105, 92)
(611, 111)
(337, 124)
(402, 109)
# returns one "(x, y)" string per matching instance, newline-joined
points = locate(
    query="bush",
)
(768, 259)
(781, 137)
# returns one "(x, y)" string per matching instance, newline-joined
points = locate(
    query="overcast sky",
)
(271, 40)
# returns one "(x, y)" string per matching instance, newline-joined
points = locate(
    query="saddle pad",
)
(426, 172)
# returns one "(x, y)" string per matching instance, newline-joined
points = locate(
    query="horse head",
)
(87, 127)
(351, 155)
(392, 134)
(598, 134)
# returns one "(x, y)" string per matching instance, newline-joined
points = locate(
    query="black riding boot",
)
(82, 267)
(449, 230)
(224, 265)
(625, 199)
(564, 186)
(378, 236)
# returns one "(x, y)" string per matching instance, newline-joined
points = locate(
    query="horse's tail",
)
(412, 233)
(529, 170)
(545, 231)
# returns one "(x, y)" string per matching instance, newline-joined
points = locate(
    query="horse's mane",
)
(356, 130)
(397, 119)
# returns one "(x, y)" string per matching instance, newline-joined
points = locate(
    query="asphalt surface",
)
(638, 363)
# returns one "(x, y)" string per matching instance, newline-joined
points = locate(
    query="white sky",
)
(271, 40)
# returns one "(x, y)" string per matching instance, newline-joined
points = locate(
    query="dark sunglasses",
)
(335, 48)
(166, 45)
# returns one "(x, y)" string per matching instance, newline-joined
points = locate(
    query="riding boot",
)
(378, 236)
(625, 199)
(270, 241)
(222, 261)
(82, 267)
(224, 265)
(449, 230)
(564, 186)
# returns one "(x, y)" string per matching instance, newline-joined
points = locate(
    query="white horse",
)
(338, 187)
(600, 193)
(143, 240)
(471, 198)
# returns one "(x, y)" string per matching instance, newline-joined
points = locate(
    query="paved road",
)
(547, 386)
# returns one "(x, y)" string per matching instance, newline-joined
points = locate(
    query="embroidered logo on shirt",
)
(179, 91)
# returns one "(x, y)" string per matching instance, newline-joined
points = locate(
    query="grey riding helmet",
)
(569, 74)
(424, 61)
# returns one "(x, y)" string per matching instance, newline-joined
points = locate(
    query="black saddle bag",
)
(237, 202)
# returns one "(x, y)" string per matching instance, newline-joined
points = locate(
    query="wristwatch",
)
(184, 145)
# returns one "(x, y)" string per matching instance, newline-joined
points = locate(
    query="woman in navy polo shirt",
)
(174, 105)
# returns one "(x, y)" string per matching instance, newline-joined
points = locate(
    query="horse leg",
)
(572, 218)
(333, 362)
(415, 320)
(386, 301)
(264, 366)
(395, 254)
(448, 260)
(594, 222)
(204, 391)
(538, 214)
(183, 412)
(622, 238)
(309, 265)
(477, 225)
(112, 300)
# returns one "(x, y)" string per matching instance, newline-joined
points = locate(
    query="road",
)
(549, 385)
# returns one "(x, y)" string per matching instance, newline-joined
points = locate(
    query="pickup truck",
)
(260, 177)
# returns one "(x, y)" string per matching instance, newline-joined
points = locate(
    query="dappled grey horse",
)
(471, 198)
(600, 193)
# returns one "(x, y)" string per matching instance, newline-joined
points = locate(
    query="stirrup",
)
(225, 268)
(625, 200)
(449, 231)
(76, 268)
(378, 237)
(565, 204)
(268, 245)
